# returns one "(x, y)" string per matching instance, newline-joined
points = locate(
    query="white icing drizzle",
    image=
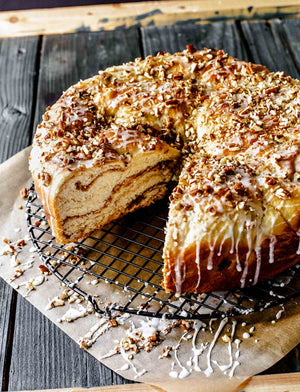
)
(74, 314)
(131, 364)
(210, 324)
(21, 269)
(279, 313)
(225, 237)
(94, 333)
(238, 263)
(150, 326)
(211, 253)
(198, 250)
(258, 257)
(197, 351)
(237, 343)
(14, 261)
(178, 279)
(273, 241)
(31, 284)
(228, 366)
(54, 302)
(298, 250)
(245, 271)
(209, 370)
(232, 237)
(184, 371)
(110, 353)
(235, 365)
(122, 368)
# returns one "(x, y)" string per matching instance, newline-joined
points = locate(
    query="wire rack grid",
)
(123, 262)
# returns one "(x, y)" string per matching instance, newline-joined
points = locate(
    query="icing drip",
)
(31, 284)
(124, 367)
(210, 324)
(222, 244)
(184, 371)
(178, 280)
(173, 372)
(211, 253)
(74, 314)
(235, 365)
(271, 248)
(198, 250)
(298, 250)
(279, 313)
(237, 343)
(94, 333)
(197, 351)
(245, 271)
(209, 371)
(258, 258)
(131, 364)
(111, 353)
(232, 238)
(226, 367)
(238, 263)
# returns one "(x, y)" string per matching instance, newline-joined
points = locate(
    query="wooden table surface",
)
(34, 353)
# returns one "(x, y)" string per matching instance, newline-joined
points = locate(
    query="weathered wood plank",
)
(160, 13)
(222, 35)
(269, 44)
(17, 76)
(289, 32)
(6, 321)
(18, 58)
(44, 357)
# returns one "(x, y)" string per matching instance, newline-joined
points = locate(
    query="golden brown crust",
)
(224, 275)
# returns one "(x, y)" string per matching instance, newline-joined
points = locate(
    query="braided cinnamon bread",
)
(226, 129)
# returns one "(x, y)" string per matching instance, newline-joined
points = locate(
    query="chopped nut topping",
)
(24, 192)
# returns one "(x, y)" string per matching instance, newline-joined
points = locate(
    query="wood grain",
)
(269, 46)
(17, 77)
(111, 16)
(289, 33)
(112, 388)
(271, 383)
(6, 328)
(18, 59)
(44, 356)
(223, 35)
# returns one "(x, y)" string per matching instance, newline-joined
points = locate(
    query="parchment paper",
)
(268, 343)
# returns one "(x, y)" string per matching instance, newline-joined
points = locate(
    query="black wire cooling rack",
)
(123, 262)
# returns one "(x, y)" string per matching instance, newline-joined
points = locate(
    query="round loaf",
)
(225, 129)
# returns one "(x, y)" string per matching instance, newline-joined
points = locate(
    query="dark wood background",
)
(34, 353)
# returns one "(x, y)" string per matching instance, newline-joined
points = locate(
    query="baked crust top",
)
(203, 102)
